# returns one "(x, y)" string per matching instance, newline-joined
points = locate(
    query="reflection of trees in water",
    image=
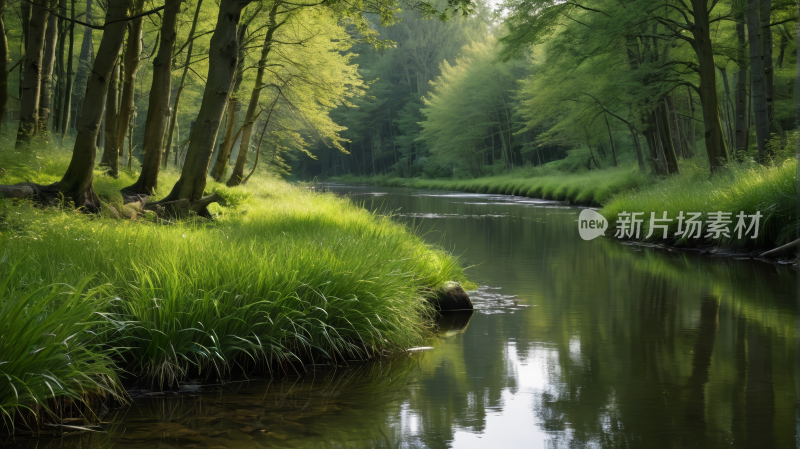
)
(663, 365)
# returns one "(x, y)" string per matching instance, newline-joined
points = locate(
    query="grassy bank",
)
(283, 277)
(591, 188)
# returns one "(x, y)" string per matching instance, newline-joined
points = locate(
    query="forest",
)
(159, 213)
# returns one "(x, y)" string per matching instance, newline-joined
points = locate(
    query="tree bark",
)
(613, 145)
(65, 107)
(741, 83)
(84, 67)
(58, 94)
(715, 143)
(760, 104)
(249, 118)
(766, 53)
(4, 55)
(158, 106)
(31, 86)
(130, 66)
(638, 146)
(77, 181)
(174, 119)
(233, 102)
(48, 62)
(221, 69)
(110, 157)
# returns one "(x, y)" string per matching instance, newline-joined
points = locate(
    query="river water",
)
(573, 343)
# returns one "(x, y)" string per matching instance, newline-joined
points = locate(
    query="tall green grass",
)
(745, 187)
(592, 188)
(284, 278)
(53, 345)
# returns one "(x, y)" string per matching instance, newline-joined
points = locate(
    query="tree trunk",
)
(233, 103)
(77, 181)
(760, 104)
(84, 67)
(48, 62)
(611, 138)
(221, 69)
(65, 107)
(130, 66)
(741, 83)
(766, 54)
(31, 87)
(60, 69)
(3, 64)
(249, 118)
(692, 134)
(158, 106)
(659, 137)
(174, 119)
(110, 157)
(715, 144)
(638, 146)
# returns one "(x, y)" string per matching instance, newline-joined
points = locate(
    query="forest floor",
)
(282, 277)
(747, 187)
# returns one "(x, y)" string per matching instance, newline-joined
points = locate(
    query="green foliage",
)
(53, 344)
(748, 188)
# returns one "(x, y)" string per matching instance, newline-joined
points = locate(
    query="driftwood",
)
(781, 249)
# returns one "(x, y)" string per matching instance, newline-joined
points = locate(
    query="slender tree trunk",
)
(110, 157)
(233, 103)
(715, 144)
(60, 69)
(77, 181)
(611, 138)
(158, 106)
(4, 54)
(659, 141)
(766, 54)
(31, 86)
(249, 121)
(223, 56)
(174, 119)
(84, 66)
(760, 103)
(48, 62)
(65, 107)
(669, 153)
(638, 146)
(741, 82)
(130, 66)
(728, 102)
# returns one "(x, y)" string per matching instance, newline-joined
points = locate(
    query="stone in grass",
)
(450, 297)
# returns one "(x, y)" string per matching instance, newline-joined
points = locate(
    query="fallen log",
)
(781, 249)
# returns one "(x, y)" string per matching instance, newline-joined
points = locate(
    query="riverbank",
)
(281, 278)
(591, 188)
(748, 188)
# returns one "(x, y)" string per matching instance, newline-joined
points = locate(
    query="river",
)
(573, 343)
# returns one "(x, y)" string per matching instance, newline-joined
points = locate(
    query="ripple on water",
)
(488, 300)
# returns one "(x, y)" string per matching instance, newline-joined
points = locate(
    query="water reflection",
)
(572, 344)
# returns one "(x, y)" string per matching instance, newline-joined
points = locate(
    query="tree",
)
(158, 109)
(31, 87)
